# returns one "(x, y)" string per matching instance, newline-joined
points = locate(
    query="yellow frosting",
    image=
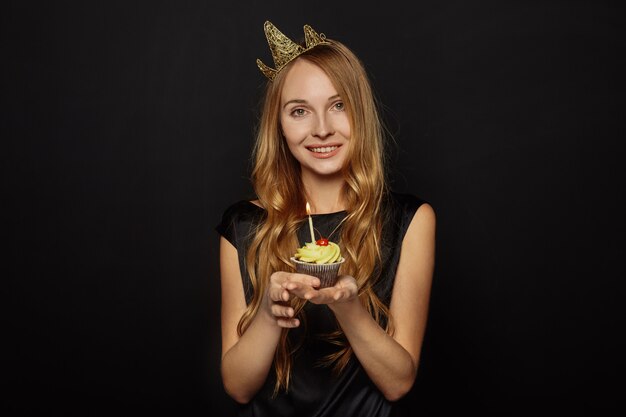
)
(314, 253)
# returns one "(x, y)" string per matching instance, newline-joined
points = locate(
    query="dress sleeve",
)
(399, 212)
(227, 226)
(407, 207)
(239, 223)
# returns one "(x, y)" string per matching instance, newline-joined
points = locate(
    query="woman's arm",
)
(390, 362)
(246, 360)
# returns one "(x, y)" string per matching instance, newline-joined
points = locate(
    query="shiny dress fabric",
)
(314, 389)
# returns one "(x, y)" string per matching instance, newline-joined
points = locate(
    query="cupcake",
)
(321, 259)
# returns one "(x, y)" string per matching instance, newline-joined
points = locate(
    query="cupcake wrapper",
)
(327, 273)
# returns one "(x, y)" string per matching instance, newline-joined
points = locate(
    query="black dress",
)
(314, 390)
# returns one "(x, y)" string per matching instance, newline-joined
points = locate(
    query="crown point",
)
(284, 50)
(267, 71)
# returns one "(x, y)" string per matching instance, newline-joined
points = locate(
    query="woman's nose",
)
(323, 127)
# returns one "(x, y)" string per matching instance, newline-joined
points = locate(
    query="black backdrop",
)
(126, 129)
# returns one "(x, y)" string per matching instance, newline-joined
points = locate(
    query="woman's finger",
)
(278, 293)
(303, 279)
(297, 289)
(279, 310)
(288, 323)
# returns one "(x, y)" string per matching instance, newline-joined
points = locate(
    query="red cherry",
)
(322, 242)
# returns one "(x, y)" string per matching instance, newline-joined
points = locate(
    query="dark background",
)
(126, 131)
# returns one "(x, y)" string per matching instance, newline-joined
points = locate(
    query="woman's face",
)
(313, 120)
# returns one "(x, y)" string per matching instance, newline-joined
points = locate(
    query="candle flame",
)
(308, 208)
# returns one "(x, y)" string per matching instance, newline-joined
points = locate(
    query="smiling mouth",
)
(324, 149)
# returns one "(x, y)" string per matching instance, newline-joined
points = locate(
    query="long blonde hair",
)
(277, 182)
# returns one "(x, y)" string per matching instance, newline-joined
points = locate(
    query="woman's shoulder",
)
(242, 210)
(404, 208)
(406, 202)
(238, 218)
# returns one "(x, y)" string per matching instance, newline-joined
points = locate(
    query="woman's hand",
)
(299, 285)
(278, 297)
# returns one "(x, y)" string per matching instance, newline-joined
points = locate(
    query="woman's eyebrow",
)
(297, 100)
(302, 101)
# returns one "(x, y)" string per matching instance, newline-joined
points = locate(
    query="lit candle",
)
(308, 211)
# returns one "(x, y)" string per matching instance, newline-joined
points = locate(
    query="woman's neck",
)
(324, 195)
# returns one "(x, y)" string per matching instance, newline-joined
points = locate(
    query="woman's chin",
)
(325, 171)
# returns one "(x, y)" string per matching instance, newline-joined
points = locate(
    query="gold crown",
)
(284, 50)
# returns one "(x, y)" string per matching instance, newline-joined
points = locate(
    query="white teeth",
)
(325, 149)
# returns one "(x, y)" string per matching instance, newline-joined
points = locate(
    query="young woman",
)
(290, 347)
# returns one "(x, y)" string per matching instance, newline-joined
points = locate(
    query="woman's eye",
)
(298, 112)
(339, 106)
